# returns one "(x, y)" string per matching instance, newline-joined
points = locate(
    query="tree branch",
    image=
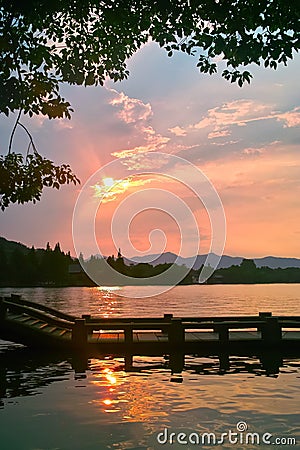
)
(30, 137)
(13, 131)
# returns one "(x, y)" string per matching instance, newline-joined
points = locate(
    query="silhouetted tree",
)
(45, 44)
(248, 272)
(248, 265)
(32, 267)
(17, 267)
(3, 266)
(81, 259)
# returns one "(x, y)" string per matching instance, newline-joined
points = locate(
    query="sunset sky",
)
(245, 140)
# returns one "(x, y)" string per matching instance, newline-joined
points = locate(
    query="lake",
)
(45, 405)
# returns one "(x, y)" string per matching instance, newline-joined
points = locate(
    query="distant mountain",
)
(195, 262)
(226, 261)
(9, 247)
(275, 262)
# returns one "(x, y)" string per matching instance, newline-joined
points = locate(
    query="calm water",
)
(44, 405)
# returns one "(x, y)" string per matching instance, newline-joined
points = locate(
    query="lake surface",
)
(45, 405)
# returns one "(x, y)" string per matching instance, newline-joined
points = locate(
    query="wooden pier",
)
(39, 326)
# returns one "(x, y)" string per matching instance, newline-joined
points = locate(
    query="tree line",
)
(248, 273)
(51, 267)
(245, 273)
(97, 268)
(35, 267)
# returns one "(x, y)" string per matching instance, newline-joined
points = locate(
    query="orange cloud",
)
(178, 131)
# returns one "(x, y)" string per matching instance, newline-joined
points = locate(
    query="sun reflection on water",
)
(124, 393)
(109, 303)
(147, 395)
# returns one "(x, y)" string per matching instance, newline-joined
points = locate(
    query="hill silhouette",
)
(24, 266)
(274, 262)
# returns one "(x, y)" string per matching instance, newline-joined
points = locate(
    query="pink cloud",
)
(155, 143)
(238, 112)
(250, 151)
(178, 131)
(217, 134)
(136, 113)
(131, 109)
(291, 118)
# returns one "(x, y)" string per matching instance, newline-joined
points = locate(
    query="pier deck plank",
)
(295, 335)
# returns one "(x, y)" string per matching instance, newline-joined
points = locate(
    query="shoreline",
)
(51, 286)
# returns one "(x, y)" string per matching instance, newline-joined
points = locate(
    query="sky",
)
(244, 140)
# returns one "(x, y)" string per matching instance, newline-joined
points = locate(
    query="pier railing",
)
(15, 303)
(174, 329)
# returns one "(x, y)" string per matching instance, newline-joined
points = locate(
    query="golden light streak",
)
(109, 189)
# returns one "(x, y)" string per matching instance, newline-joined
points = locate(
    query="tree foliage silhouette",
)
(34, 267)
(44, 44)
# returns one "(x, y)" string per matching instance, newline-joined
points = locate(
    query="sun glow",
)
(109, 189)
(108, 182)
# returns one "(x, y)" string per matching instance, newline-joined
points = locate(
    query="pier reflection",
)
(23, 372)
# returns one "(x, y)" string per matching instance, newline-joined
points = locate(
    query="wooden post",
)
(128, 363)
(79, 333)
(224, 334)
(176, 335)
(167, 321)
(176, 332)
(79, 364)
(271, 331)
(176, 362)
(168, 316)
(128, 334)
(223, 331)
(3, 309)
(263, 315)
(224, 362)
(86, 316)
(271, 362)
(15, 297)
